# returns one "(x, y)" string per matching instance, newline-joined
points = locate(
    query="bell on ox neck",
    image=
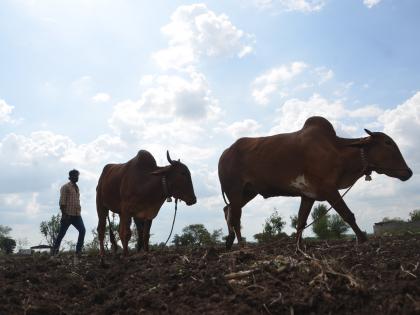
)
(168, 199)
(368, 178)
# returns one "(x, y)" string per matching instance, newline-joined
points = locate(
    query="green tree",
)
(197, 235)
(272, 228)
(320, 226)
(4, 230)
(49, 229)
(327, 226)
(415, 215)
(396, 219)
(294, 221)
(7, 244)
(337, 226)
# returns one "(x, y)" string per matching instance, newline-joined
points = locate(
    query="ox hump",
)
(145, 160)
(319, 122)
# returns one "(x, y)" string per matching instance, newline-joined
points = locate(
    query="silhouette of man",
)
(71, 212)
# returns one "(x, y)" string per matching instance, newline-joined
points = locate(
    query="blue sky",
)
(86, 83)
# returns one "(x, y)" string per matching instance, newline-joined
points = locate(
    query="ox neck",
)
(367, 171)
(166, 189)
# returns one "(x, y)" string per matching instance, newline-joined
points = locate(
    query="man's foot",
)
(76, 258)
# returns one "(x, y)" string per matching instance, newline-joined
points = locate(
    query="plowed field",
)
(381, 276)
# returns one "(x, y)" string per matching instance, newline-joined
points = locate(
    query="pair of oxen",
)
(312, 163)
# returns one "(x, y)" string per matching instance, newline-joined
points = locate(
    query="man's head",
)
(74, 176)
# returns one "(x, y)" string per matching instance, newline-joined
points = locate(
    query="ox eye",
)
(388, 142)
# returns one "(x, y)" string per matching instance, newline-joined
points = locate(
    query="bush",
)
(272, 228)
(49, 229)
(415, 215)
(197, 235)
(327, 226)
(7, 244)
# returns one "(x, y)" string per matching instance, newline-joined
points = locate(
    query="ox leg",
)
(146, 234)
(234, 213)
(235, 221)
(139, 226)
(102, 214)
(340, 206)
(304, 210)
(231, 237)
(125, 231)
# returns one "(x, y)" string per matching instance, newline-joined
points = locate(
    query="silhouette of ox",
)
(312, 163)
(138, 188)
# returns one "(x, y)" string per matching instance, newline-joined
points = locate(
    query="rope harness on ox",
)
(169, 199)
(173, 222)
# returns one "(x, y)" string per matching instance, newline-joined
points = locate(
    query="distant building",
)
(41, 248)
(25, 251)
(395, 227)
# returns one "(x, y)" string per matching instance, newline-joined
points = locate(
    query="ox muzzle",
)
(191, 201)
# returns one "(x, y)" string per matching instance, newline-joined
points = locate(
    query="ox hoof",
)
(102, 263)
(229, 241)
(362, 239)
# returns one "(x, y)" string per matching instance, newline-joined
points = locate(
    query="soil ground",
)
(381, 276)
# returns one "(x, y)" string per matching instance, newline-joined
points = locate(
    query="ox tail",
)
(224, 198)
(111, 234)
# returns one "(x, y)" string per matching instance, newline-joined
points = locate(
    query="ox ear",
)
(161, 171)
(370, 133)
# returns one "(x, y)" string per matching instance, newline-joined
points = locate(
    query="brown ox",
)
(312, 163)
(138, 188)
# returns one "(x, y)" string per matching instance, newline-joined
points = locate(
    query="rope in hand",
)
(173, 222)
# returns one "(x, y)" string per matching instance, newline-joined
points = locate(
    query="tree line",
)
(325, 226)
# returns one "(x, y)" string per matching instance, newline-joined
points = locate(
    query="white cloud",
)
(245, 128)
(5, 111)
(101, 98)
(294, 112)
(403, 121)
(371, 3)
(173, 104)
(323, 74)
(373, 111)
(292, 5)
(270, 81)
(196, 31)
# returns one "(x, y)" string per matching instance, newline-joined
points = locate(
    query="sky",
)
(87, 83)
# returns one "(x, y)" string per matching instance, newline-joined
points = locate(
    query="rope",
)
(173, 222)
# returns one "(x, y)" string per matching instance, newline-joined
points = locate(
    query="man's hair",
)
(74, 172)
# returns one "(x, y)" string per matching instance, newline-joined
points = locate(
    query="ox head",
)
(179, 181)
(384, 156)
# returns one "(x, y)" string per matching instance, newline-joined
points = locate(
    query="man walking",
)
(70, 209)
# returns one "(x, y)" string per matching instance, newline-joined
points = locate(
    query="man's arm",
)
(63, 199)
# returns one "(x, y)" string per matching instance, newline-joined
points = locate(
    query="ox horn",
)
(370, 133)
(169, 158)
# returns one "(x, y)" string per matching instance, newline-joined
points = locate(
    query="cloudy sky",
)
(86, 83)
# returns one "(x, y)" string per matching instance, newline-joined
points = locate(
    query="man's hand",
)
(65, 217)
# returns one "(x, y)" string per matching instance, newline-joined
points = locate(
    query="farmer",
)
(70, 209)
